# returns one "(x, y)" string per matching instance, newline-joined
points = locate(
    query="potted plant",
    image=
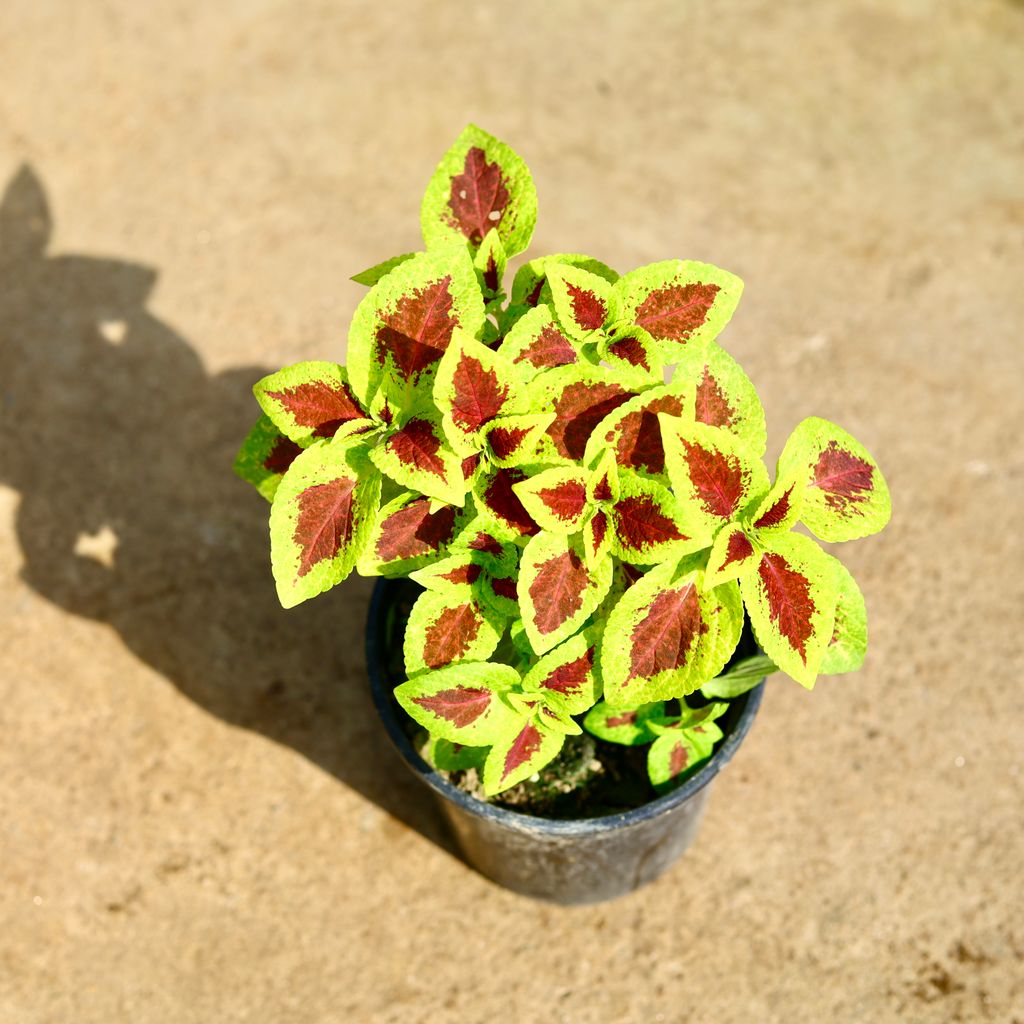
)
(562, 485)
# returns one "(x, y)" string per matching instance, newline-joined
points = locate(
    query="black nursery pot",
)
(588, 860)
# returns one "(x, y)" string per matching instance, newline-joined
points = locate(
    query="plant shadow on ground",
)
(112, 428)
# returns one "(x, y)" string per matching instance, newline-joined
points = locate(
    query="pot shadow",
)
(120, 444)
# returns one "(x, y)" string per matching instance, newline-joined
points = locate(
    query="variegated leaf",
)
(320, 520)
(557, 589)
(678, 302)
(791, 600)
(406, 534)
(447, 626)
(490, 262)
(448, 756)
(780, 508)
(265, 456)
(568, 673)
(537, 342)
(646, 522)
(521, 751)
(309, 401)
(481, 184)
(627, 726)
(583, 301)
(404, 324)
(673, 755)
(724, 395)
(556, 499)
(732, 554)
(461, 703)
(498, 502)
(417, 457)
(667, 636)
(513, 440)
(713, 474)
(530, 286)
(848, 645)
(632, 352)
(846, 495)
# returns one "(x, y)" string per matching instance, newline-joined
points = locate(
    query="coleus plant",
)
(572, 471)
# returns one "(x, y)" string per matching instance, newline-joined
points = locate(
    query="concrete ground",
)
(201, 820)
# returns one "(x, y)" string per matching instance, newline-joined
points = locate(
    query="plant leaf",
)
(537, 342)
(530, 286)
(632, 430)
(449, 625)
(406, 534)
(739, 678)
(713, 474)
(732, 555)
(320, 520)
(480, 184)
(461, 703)
(557, 589)
(373, 274)
(674, 755)
(633, 351)
(779, 509)
(490, 262)
(580, 398)
(678, 302)
(667, 636)
(568, 673)
(498, 502)
(645, 523)
(265, 456)
(474, 386)
(583, 301)
(448, 756)
(849, 642)
(627, 726)
(521, 751)
(791, 601)
(513, 440)
(556, 499)
(846, 496)
(308, 401)
(724, 394)
(416, 457)
(404, 323)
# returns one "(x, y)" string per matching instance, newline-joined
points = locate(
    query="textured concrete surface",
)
(201, 821)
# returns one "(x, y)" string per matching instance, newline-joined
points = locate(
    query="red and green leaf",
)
(633, 354)
(490, 263)
(673, 755)
(678, 302)
(583, 301)
(846, 496)
(309, 401)
(417, 457)
(557, 589)
(791, 600)
(447, 756)
(536, 342)
(626, 726)
(492, 548)
(481, 184)
(580, 399)
(646, 523)
(498, 502)
(568, 674)
(849, 642)
(633, 430)
(521, 751)
(461, 703)
(265, 456)
(732, 554)
(530, 286)
(373, 274)
(724, 394)
(474, 386)
(447, 626)
(406, 534)
(714, 475)
(320, 520)
(668, 635)
(556, 499)
(404, 324)
(513, 440)
(780, 508)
